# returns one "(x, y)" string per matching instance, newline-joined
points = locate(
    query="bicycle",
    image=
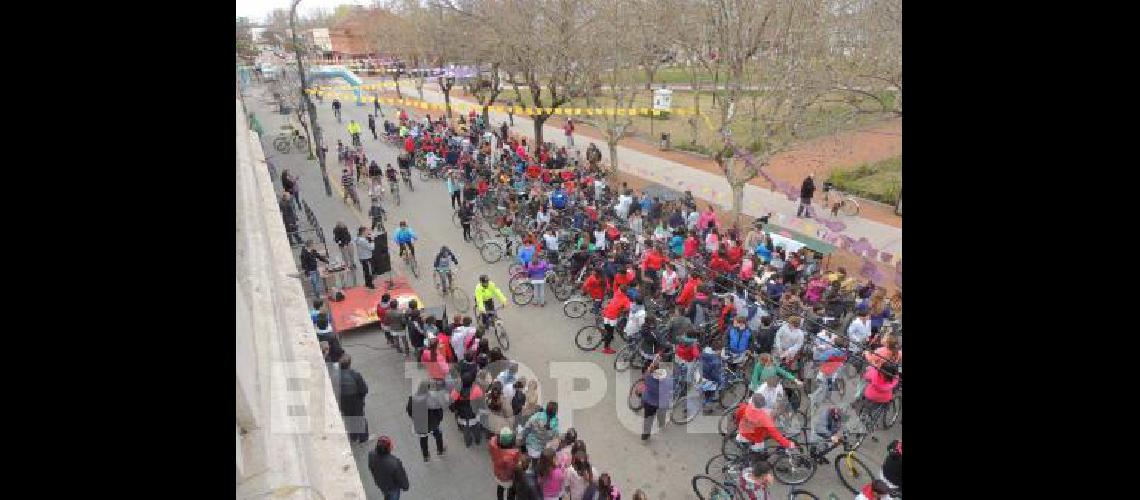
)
(407, 177)
(707, 488)
(350, 195)
(410, 261)
(454, 293)
(500, 331)
(290, 138)
(840, 202)
(790, 466)
(394, 187)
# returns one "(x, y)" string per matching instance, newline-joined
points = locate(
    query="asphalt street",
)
(591, 395)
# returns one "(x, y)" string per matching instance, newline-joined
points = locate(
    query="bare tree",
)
(788, 49)
(865, 45)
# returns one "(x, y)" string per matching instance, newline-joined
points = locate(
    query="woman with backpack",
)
(466, 403)
(425, 408)
(551, 475)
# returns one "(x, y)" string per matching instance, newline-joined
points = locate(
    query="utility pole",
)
(318, 140)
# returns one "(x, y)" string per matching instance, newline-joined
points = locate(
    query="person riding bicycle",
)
(712, 371)
(336, 108)
(485, 293)
(375, 172)
(376, 212)
(754, 425)
(756, 480)
(354, 130)
(831, 357)
(789, 341)
(405, 164)
(390, 171)
(405, 237)
(442, 265)
(347, 180)
(739, 339)
(372, 125)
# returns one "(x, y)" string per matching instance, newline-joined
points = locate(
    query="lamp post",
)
(318, 140)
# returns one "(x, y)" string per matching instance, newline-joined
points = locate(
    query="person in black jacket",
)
(807, 189)
(343, 240)
(289, 216)
(372, 126)
(351, 399)
(387, 470)
(892, 465)
(309, 258)
(466, 213)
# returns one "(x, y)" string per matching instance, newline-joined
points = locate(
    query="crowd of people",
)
(701, 295)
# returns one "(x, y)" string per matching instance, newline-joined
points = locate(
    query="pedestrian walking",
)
(466, 213)
(376, 106)
(309, 258)
(657, 398)
(372, 126)
(387, 470)
(290, 185)
(289, 217)
(568, 129)
(453, 186)
(365, 244)
(351, 399)
(466, 402)
(807, 189)
(425, 408)
(504, 458)
(344, 241)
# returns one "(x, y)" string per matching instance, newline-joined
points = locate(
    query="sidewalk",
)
(708, 186)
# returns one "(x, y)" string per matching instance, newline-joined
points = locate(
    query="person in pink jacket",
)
(881, 383)
(707, 217)
(551, 475)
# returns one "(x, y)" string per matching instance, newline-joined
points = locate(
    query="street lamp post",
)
(318, 140)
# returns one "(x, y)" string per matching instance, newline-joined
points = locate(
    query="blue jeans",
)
(392, 495)
(315, 279)
(539, 291)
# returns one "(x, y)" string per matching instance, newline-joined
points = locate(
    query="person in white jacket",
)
(789, 339)
(636, 318)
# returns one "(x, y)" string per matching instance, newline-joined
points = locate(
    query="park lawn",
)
(880, 181)
(824, 119)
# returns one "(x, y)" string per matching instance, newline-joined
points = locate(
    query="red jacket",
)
(756, 425)
(409, 145)
(688, 292)
(689, 353)
(439, 369)
(594, 287)
(502, 461)
(735, 255)
(623, 279)
(653, 260)
(720, 265)
(617, 305)
(691, 245)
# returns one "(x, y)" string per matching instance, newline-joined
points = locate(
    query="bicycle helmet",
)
(483, 278)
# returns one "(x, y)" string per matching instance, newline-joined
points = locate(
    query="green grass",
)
(880, 181)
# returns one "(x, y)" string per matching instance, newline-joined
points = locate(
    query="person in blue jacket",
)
(558, 199)
(712, 371)
(405, 237)
(739, 340)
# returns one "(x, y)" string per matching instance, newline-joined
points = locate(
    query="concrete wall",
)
(290, 436)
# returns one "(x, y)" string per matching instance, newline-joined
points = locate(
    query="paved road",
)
(708, 186)
(542, 341)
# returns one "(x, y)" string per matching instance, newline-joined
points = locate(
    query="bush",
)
(880, 181)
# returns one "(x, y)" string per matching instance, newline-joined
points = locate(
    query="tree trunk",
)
(420, 86)
(538, 121)
(396, 80)
(737, 202)
(611, 141)
(650, 72)
(898, 206)
(446, 100)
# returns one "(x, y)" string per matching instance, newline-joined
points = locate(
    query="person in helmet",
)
(485, 293)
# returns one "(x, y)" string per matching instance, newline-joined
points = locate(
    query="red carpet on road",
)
(359, 305)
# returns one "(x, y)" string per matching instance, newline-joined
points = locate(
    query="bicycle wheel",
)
(790, 423)
(730, 447)
(517, 282)
(635, 391)
(397, 194)
(523, 294)
(563, 289)
(621, 359)
(455, 219)
(727, 425)
(501, 335)
(479, 236)
(281, 145)
(686, 408)
(892, 414)
(708, 488)
(852, 472)
(414, 266)
(574, 308)
(793, 468)
(460, 299)
(515, 269)
(588, 338)
(491, 252)
(850, 207)
(801, 494)
(723, 466)
(301, 144)
(732, 394)
(438, 282)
